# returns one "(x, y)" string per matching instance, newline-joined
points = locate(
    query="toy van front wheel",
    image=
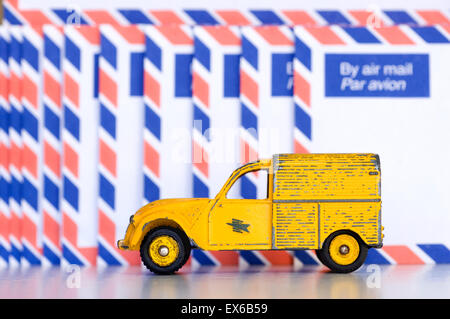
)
(163, 250)
(343, 252)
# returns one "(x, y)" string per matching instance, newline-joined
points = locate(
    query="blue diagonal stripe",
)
(400, 17)
(107, 256)
(202, 258)
(201, 17)
(361, 35)
(333, 17)
(304, 257)
(251, 258)
(267, 17)
(438, 252)
(135, 16)
(430, 34)
(375, 257)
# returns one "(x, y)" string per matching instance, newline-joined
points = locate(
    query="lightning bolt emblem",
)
(238, 226)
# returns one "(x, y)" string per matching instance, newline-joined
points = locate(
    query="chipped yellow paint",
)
(360, 217)
(318, 194)
(310, 196)
(295, 225)
(255, 214)
(326, 176)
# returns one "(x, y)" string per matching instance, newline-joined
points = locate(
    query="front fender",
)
(149, 222)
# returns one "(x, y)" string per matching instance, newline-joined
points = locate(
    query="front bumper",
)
(124, 243)
(121, 244)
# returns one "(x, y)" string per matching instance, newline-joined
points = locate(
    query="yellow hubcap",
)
(163, 250)
(344, 249)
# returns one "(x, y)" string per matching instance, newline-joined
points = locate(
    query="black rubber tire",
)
(319, 254)
(181, 240)
(188, 247)
(324, 254)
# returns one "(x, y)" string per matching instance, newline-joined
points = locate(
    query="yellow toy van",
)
(327, 202)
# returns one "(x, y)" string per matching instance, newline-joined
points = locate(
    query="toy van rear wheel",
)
(343, 252)
(163, 250)
(319, 254)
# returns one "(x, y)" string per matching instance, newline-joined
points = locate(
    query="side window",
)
(252, 185)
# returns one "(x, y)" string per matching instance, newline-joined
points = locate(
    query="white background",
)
(411, 135)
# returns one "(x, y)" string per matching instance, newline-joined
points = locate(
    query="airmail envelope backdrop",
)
(133, 105)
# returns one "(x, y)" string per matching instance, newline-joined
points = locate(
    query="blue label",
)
(282, 71)
(377, 75)
(231, 75)
(183, 75)
(136, 74)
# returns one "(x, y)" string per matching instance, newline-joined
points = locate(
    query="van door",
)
(236, 223)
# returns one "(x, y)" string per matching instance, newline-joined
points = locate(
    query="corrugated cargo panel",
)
(326, 177)
(363, 218)
(295, 225)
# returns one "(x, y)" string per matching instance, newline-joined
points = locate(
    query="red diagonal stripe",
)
(52, 159)
(70, 233)
(100, 17)
(200, 164)
(90, 254)
(29, 230)
(69, 230)
(175, 34)
(273, 35)
(29, 90)
(403, 255)
(302, 89)
(299, 17)
(14, 85)
(70, 159)
(248, 154)
(131, 33)
(52, 89)
(394, 35)
(15, 155)
(107, 87)
(151, 158)
(35, 17)
(152, 89)
(90, 33)
(3, 86)
(108, 158)
(249, 88)
(325, 35)
(4, 226)
(299, 148)
(51, 229)
(166, 17)
(71, 89)
(29, 160)
(200, 89)
(107, 228)
(223, 35)
(15, 225)
(4, 152)
(233, 17)
(435, 17)
(365, 17)
(226, 258)
(277, 257)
